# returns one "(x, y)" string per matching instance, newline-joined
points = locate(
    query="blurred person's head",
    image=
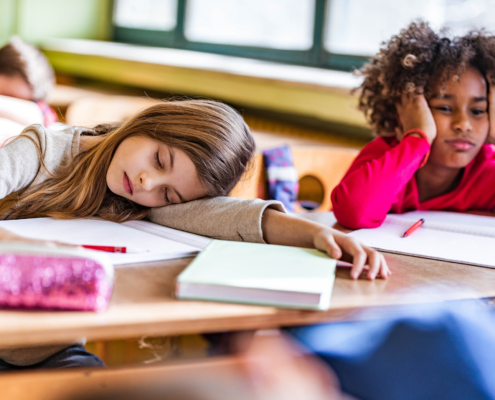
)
(25, 73)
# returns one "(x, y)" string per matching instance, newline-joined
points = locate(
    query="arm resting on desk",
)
(261, 221)
(225, 218)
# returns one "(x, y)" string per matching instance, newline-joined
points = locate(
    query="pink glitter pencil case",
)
(54, 278)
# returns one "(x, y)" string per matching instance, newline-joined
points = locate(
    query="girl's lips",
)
(460, 144)
(128, 184)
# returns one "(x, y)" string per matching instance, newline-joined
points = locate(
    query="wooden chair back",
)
(327, 165)
(324, 165)
(252, 184)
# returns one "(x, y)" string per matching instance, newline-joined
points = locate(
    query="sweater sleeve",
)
(225, 218)
(371, 186)
(19, 165)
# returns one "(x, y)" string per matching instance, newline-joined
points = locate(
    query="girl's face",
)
(461, 118)
(153, 174)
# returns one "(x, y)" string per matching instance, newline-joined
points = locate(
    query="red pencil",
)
(413, 228)
(114, 249)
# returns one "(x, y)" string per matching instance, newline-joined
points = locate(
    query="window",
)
(359, 26)
(160, 15)
(283, 24)
(338, 34)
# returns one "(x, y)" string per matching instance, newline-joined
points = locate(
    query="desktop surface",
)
(143, 303)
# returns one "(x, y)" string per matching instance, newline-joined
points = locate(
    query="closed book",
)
(261, 274)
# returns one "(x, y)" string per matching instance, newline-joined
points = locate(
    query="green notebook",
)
(252, 273)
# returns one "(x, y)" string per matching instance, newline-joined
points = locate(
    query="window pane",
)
(359, 26)
(277, 24)
(146, 14)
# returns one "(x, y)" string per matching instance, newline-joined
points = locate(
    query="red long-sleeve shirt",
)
(381, 180)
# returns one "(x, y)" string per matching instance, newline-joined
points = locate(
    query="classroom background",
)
(286, 65)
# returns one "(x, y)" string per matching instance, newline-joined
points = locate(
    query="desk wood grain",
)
(143, 304)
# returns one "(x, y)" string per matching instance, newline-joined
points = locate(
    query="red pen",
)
(413, 228)
(113, 249)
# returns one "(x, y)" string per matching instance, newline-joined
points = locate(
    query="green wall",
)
(7, 19)
(38, 20)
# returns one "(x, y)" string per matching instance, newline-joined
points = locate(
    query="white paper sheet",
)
(102, 233)
(467, 239)
(175, 235)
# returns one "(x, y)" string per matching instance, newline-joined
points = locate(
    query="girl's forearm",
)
(283, 229)
(21, 111)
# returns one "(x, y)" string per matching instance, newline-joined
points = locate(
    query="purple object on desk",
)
(39, 277)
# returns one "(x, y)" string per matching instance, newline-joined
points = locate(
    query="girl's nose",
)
(146, 181)
(462, 124)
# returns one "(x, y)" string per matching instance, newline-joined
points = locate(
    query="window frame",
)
(316, 56)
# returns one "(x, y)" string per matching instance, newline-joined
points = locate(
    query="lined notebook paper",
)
(161, 243)
(447, 236)
(262, 274)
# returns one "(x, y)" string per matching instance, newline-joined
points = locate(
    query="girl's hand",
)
(491, 112)
(280, 228)
(413, 112)
(333, 242)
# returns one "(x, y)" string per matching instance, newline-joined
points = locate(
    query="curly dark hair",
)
(418, 60)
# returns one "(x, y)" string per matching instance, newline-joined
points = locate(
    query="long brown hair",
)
(212, 134)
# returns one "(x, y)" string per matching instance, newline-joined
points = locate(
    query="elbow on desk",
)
(352, 221)
(354, 214)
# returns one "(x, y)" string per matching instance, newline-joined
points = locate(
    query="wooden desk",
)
(143, 304)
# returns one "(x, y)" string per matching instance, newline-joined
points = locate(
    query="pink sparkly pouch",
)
(55, 278)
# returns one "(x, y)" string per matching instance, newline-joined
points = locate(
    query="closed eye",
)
(157, 160)
(165, 195)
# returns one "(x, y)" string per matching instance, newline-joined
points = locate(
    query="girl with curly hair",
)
(428, 99)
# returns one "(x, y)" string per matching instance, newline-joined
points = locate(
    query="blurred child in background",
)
(26, 79)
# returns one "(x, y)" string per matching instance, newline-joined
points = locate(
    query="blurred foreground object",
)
(427, 352)
(273, 368)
